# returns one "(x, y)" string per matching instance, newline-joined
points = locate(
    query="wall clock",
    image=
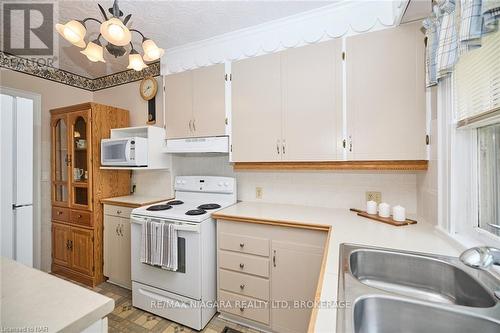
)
(148, 89)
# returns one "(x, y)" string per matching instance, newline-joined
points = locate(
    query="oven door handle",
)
(179, 227)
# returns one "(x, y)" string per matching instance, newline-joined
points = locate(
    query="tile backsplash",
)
(322, 189)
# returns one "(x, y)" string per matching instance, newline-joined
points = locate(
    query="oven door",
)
(186, 280)
(115, 152)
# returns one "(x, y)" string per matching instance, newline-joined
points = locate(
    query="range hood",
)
(213, 144)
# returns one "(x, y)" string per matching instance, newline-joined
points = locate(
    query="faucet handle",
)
(480, 257)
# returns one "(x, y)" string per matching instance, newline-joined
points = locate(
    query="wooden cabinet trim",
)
(404, 165)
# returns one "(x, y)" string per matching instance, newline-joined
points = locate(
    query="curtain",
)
(454, 28)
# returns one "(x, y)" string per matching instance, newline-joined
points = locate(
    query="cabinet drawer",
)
(117, 211)
(244, 244)
(244, 263)
(81, 218)
(60, 214)
(244, 284)
(245, 307)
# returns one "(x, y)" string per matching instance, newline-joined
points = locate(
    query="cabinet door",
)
(256, 109)
(123, 274)
(81, 160)
(111, 245)
(179, 105)
(209, 105)
(294, 277)
(61, 236)
(386, 94)
(82, 250)
(312, 113)
(60, 158)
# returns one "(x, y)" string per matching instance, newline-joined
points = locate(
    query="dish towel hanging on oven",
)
(159, 245)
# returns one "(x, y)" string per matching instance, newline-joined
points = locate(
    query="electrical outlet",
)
(374, 196)
(258, 192)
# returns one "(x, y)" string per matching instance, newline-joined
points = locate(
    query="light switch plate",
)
(374, 196)
(258, 192)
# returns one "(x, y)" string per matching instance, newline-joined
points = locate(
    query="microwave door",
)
(115, 152)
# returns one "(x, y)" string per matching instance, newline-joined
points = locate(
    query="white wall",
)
(325, 189)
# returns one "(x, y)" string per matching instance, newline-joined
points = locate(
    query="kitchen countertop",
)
(344, 227)
(31, 298)
(133, 201)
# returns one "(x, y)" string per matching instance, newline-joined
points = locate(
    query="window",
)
(489, 178)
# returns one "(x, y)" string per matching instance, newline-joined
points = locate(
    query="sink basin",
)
(375, 314)
(417, 276)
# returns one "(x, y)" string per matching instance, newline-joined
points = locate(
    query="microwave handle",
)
(127, 151)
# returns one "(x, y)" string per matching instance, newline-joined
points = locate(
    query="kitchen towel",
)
(159, 245)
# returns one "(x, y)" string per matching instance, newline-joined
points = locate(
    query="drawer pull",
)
(242, 286)
(242, 266)
(242, 309)
(79, 216)
(118, 212)
(242, 245)
(59, 212)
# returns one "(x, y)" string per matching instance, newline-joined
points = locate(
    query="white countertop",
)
(134, 200)
(31, 298)
(346, 227)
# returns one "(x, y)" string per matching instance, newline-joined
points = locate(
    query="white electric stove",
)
(188, 295)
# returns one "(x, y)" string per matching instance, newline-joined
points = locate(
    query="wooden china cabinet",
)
(78, 185)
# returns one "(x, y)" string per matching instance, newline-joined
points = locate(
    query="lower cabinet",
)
(72, 247)
(117, 245)
(268, 275)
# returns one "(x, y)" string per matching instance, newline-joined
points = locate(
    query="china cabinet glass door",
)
(80, 159)
(60, 161)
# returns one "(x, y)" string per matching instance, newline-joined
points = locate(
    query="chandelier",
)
(115, 32)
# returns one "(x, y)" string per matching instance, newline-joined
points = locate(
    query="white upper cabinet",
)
(256, 109)
(312, 88)
(195, 103)
(179, 105)
(287, 106)
(386, 114)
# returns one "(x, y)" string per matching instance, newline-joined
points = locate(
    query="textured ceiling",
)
(169, 23)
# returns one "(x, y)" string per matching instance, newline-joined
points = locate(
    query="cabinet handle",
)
(79, 216)
(116, 231)
(190, 125)
(278, 147)
(274, 258)
(59, 212)
(242, 309)
(67, 244)
(121, 230)
(242, 266)
(350, 143)
(71, 245)
(242, 245)
(194, 125)
(118, 212)
(242, 286)
(283, 147)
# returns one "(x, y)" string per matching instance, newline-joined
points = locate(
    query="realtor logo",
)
(28, 29)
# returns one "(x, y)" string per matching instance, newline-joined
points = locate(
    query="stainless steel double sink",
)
(392, 291)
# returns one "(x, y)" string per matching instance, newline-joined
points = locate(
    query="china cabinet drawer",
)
(60, 214)
(244, 263)
(81, 218)
(245, 307)
(244, 284)
(244, 244)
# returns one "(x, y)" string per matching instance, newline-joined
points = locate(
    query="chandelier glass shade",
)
(118, 36)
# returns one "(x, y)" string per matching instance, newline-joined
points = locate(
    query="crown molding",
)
(341, 19)
(30, 67)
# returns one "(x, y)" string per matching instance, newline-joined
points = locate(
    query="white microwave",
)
(124, 152)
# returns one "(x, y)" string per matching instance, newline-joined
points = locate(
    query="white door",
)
(17, 178)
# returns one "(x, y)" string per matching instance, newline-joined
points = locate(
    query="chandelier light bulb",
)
(135, 61)
(73, 31)
(94, 52)
(151, 50)
(115, 32)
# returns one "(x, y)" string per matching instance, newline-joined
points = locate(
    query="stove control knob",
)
(183, 182)
(226, 184)
(220, 184)
(178, 182)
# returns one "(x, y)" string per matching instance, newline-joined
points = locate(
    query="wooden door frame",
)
(37, 167)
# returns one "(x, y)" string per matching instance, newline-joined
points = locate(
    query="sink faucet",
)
(481, 257)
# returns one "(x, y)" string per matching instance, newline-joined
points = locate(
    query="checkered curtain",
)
(454, 28)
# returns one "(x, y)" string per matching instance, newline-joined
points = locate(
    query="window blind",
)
(477, 83)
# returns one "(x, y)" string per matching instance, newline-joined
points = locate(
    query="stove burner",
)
(209, 206)
(195, 212)
(159, 207)
(175, 202)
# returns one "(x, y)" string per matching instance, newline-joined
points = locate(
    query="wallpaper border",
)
(30, 67)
